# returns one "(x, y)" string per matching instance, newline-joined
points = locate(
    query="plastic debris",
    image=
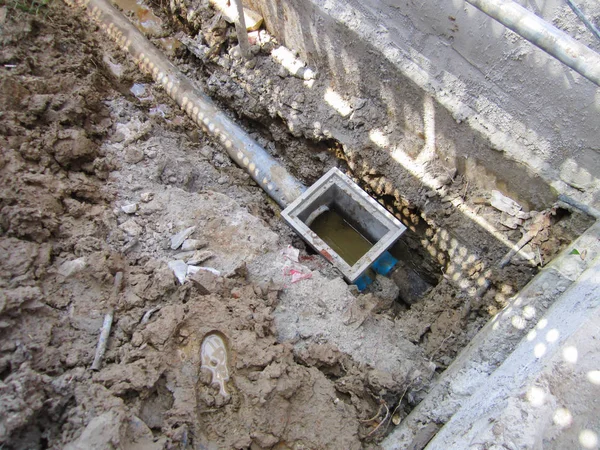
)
(180, 269)
(297, 275)
(291, 253)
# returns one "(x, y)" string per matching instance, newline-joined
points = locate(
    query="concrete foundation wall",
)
(459, 87)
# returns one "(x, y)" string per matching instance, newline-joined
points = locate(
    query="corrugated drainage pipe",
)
(262, 167)
(547, 37)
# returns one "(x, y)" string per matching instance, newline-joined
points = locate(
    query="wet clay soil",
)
(66, 107)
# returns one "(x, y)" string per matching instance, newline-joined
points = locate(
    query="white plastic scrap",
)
(180, 269)
(291, 253)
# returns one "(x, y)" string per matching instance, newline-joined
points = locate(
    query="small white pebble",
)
(129, 209)
(146, 196)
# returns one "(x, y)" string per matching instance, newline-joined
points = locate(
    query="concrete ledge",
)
(469, 375)
(542, 396)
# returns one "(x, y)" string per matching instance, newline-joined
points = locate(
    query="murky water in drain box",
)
(341, 236)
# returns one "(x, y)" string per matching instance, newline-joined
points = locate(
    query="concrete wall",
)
(456, 83)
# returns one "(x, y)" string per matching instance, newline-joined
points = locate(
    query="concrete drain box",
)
(343, 223)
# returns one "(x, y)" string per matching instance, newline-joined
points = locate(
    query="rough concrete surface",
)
(545, 394)
(507, 95)
(469, 376)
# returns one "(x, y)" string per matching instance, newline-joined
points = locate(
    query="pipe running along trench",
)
(536, 30)
(247, 153)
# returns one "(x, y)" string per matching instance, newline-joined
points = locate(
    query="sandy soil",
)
(83, 136)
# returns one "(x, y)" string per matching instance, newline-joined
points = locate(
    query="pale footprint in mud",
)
(214, 358)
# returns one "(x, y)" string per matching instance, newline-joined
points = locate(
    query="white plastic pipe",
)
(536, 30)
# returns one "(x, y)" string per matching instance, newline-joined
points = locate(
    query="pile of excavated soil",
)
(77, 147)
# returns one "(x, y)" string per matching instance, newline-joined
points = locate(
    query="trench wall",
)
(457, 86)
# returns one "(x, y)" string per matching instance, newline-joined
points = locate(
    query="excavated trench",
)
(458, 264)
(453, 257)
(453, 230)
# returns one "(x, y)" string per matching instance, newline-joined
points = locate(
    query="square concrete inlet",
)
(335, 192)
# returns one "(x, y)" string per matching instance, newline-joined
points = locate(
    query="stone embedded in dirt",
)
(193, 244)
(179, 268)
(184, 256)
(69, 268)
(235, 52)
(115, 68)
(134, 155)
(357, 103)
(179, 238)
(207, 151)
(146, 196)
(130, 208)
(219, 158)
(282, 73)
(73, 147)
(200, 256)
(255, 50)
(131, 227)
(510, 221)
(206, 282)
(101, 432)
(222, 180)
(254, 37)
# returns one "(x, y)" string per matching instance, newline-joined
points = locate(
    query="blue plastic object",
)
(384, 264)
(363, 281)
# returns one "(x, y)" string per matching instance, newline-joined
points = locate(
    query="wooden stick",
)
(240, 29)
